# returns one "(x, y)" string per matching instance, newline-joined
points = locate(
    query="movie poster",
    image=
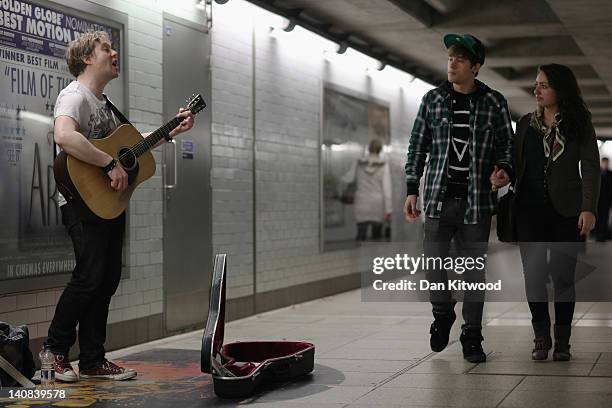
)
(33, 39)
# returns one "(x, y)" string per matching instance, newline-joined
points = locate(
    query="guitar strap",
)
(116, 111)
(12, 371)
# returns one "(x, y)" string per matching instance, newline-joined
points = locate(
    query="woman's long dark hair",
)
(573, 110)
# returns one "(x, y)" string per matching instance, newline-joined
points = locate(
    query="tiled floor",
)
(377, 355)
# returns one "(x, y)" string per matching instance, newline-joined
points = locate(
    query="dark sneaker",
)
(109, 371)
(63, 368)
(440, 329)
(471, 340)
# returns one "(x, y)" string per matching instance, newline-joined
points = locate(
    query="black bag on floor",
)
(15, 350)
(239, 368)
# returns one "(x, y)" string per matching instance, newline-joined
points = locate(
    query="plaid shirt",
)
(490, 144)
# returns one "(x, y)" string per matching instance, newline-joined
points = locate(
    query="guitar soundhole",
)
(127, 158)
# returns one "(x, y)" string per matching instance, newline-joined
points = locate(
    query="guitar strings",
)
(147, 142)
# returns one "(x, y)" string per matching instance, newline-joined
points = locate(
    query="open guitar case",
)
(239, 368)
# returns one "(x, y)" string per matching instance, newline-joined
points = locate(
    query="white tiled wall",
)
(287, 85)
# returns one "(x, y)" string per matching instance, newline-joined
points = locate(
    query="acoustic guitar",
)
(90, 188)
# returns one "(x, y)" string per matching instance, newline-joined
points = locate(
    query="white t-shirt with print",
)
(95, 120)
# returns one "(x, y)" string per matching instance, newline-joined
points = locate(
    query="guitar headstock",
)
(196, 103)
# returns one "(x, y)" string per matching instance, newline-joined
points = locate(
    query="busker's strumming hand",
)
(411, 213)
(119, 178)
(185, 125)
(499, 178)
(586, 222)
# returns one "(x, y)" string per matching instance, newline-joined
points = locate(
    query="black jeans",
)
(86, 298)
(471, 240)
(601, 225)
(549, 245)
(362, 230)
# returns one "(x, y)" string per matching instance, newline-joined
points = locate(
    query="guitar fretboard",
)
(148, 142)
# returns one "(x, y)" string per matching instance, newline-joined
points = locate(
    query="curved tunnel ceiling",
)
(519, 36)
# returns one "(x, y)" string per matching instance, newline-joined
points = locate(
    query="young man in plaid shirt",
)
(465, 128)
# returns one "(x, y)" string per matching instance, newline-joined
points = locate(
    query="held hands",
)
(499, 178)
(586, 222)
(411, 212)
(119, 178)
(185, 125)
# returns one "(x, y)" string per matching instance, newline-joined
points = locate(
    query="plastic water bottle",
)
(47, 370)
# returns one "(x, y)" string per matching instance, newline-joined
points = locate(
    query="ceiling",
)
(519, 35)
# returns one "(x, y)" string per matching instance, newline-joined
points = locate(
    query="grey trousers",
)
(471, 240)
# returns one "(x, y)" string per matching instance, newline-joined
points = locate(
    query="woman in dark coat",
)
(557, 188)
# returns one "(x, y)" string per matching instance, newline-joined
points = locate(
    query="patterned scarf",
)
(551, 136)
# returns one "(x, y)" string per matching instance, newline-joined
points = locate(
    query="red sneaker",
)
(63, 368)
(109, 371)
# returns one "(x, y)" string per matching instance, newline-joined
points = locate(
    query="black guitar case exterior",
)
(239, 368)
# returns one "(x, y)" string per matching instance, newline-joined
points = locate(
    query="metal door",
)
(186, 174)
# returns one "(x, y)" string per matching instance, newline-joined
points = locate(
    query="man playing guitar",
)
(81, 113)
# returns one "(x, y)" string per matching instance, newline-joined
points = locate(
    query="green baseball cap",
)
(469, 42)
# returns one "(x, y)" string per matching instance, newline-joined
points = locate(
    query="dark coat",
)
(569, 193)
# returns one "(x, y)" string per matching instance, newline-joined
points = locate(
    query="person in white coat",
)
(372, 205)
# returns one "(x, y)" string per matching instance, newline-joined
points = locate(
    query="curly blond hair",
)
(82, 47)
